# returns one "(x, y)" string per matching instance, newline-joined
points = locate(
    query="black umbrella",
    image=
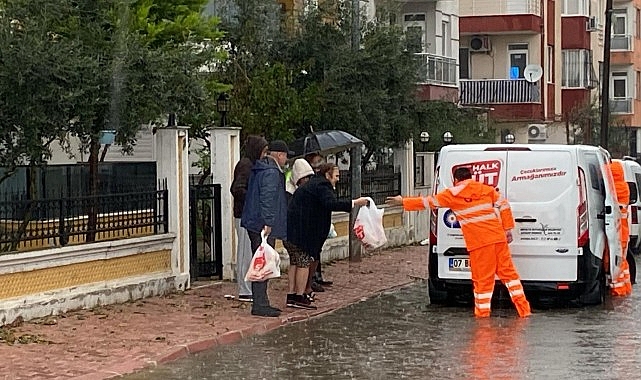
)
(324, 142)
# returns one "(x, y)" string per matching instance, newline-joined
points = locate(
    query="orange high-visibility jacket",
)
(483, 213)
(623, 197)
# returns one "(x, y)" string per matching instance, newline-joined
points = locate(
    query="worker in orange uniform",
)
(622, 285)
(486, 222)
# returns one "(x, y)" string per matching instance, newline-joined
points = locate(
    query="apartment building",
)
(625, 69)
(534, 64)
(434, 26)
(530, 63)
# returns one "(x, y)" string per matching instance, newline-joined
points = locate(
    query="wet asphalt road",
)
(399, 336)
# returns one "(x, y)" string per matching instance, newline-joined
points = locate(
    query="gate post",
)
(172, 164)
(225, 153)
(413, 222)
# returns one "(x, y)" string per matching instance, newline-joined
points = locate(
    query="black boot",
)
(318, 277)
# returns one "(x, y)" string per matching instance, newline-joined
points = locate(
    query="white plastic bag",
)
(265, 263)
(368, 226)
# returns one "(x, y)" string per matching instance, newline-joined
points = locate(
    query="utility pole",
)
(356, 151)
(356, 25)
(605, 83)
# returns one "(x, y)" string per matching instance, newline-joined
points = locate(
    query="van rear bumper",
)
(537, 291)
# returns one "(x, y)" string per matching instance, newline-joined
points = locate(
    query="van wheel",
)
(437, 296)
(596, 291)
(633, 266)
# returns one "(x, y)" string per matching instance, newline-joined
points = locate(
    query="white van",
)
(632, 175)
(566, 215)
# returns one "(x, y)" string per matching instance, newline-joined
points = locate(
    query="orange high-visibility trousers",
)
(623, 285)
(486, 262)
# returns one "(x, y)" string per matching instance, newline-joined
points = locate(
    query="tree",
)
(37, 72)
(86, 67)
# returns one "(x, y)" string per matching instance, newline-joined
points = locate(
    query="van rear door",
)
(542, 188)
(487, 167)
(612, 216)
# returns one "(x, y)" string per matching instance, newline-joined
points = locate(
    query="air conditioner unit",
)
(537, 132)
(480, 43)
(591, 24)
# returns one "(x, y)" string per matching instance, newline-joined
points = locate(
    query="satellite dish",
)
(533, 73)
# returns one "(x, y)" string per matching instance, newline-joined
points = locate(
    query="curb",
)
(230, 337)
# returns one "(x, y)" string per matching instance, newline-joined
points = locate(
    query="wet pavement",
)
(110, 341)
(398, 335)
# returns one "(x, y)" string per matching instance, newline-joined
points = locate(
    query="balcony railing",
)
(499, 7)
(621, 42)
(498, 91)
(437, 69)
(621, 105)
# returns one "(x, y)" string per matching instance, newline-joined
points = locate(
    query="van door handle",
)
(600, 216)
(562, 250)
(523, 220)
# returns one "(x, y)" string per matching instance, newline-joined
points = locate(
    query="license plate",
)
(462, 265)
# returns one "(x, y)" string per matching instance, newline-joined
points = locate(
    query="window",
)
(638, 24)
(577, 68)
(464, 63)
(576, 8)
(619, 85)
(446, 37)
(414, 27)
(619, 22)
(550, 64)
(638, 85)
(518, 60)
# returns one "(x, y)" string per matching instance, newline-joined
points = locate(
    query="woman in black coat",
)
(310, 213)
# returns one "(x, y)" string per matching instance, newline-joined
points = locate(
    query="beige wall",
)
(495, 64)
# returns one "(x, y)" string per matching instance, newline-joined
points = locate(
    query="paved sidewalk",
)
(110, 341)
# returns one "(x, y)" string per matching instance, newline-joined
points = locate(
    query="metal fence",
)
(30, 224)
(376, 185)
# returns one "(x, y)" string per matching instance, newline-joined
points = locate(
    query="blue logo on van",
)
(450, 220)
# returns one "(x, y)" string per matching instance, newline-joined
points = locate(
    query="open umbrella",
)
(324, 142)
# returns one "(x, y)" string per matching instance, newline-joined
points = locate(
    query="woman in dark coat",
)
(310, 213)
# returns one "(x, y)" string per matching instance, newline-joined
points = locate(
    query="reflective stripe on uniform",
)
(516, 292)
(483, 305)
(512, 283)
(483, 296)
(477, 219)
(472, 209)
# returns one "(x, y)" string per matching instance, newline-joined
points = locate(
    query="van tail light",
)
(433, 224)
(634, 214)
(583, 233)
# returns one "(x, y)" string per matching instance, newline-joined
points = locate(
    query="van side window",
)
(595, 178)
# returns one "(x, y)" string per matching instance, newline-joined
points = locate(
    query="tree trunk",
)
(92, 211)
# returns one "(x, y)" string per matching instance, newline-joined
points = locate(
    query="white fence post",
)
(225, 153)
(173, 165)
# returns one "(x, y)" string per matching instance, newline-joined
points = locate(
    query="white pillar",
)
(225, 153)
(172, 164)
(404, 159)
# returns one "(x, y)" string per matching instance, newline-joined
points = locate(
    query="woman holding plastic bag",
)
(310, 214)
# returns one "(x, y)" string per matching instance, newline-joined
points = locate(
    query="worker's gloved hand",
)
(508, 236)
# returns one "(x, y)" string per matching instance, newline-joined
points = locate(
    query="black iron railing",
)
(30, 224)
(376, 185)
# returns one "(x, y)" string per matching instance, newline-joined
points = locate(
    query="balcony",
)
(621, 42)
(621, 106)
(436, 69)
(498, 91)
(498, 7)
